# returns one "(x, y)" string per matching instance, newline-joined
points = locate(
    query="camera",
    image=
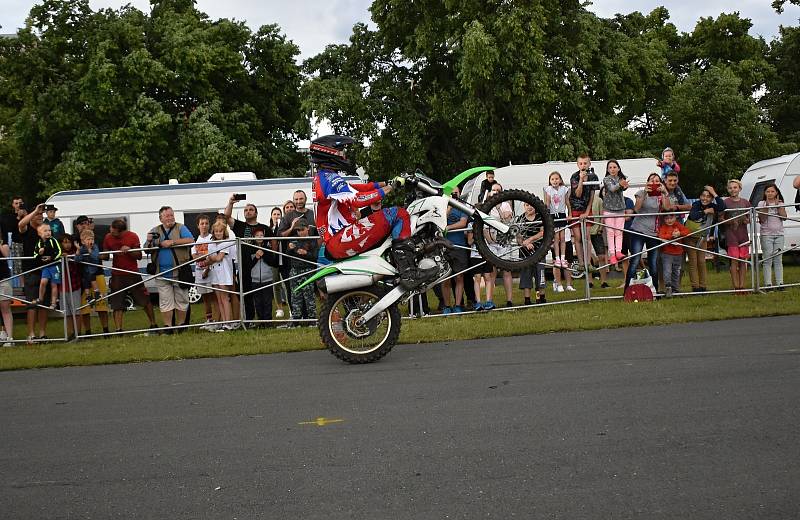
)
(239, 196)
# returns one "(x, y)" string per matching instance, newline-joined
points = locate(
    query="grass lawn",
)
(597, 314)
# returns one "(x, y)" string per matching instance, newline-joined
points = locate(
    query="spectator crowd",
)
(276, 257)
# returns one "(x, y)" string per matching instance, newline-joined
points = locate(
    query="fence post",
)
(586, 258)
(754, 243)
(68, 285)
(63, 300)
(240, 261)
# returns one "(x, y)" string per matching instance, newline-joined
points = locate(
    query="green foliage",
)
(118, 97)
(448, 85)
(782, 100)
(717, 129)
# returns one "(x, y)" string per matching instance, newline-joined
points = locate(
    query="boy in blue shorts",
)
(48, 250)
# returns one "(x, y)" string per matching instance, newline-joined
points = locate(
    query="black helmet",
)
(331, 151)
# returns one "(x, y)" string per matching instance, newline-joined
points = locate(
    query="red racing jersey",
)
(338, 201)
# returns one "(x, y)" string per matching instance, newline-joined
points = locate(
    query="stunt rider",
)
(338, 221)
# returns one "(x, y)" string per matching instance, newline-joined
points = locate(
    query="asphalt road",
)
(682, 421)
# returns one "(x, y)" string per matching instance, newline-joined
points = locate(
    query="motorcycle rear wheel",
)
(353, 342)
(503, 249)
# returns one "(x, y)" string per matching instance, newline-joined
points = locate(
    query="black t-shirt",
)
(581, 203)
(532, 228)
(29, 240)
(486, 187)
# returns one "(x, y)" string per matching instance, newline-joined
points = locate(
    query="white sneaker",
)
(3, 335)
(279, 313)
(209, 326)
(558, 288)
(570, 288)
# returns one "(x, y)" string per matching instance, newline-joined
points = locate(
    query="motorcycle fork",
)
(384, 303)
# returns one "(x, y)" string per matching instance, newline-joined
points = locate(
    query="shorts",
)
(626, 243)
(598, 244)
(740, 252)
(52, 273)
(125, 282)
(576, 224)
(527, 279)
(171, 296)
(100, 306)
(459, 260)
(6, 290)
(70, 302)
(477, 268)
(560, 220)
(32, 280)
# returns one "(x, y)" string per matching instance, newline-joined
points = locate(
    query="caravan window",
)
(102, 225)
(758, 191)
(190, 219)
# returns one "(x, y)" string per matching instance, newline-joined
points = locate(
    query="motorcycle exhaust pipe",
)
(345, 282)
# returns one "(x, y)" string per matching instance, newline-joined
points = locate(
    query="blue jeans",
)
(637, 244)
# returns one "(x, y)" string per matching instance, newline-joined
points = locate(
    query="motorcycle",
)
(360, 320)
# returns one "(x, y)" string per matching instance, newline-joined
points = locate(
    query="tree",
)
(118, 97)
(778, 4)
(782, 98)
(717, 130)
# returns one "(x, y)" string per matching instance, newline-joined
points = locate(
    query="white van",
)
(782, 171)
(534, 177)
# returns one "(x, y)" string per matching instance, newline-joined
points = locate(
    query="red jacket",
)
(338, 201)
(665, 232)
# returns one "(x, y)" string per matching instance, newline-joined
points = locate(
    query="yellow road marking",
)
(322, 421)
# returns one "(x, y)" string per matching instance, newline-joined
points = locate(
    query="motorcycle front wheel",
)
(506, 250)
(350, 339)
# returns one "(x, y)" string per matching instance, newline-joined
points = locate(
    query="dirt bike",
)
(360, 320)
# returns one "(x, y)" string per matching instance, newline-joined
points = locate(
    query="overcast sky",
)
(313, 24)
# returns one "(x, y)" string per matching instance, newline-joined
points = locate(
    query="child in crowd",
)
(48, 250)
(221, 254)
(303, 253)
(261, 275)
(771, 218)
(702, 215)
(671, 254)
(556, 198)
(89, 256)
(669, 164)
(614, 184)
(202, 271)
(597, 241)
(56, 226)
(737, 239)
(530, 239)
(486, 185)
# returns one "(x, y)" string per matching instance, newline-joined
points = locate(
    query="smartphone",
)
(239, 196)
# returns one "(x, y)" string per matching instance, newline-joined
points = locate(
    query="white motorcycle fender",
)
(430, 209)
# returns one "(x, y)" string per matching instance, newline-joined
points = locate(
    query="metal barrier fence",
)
(70, 314)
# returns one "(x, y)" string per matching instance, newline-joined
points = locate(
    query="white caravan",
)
(139, 204)
(782, 171)
(534, 177)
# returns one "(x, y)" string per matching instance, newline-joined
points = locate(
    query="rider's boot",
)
(411, 276)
